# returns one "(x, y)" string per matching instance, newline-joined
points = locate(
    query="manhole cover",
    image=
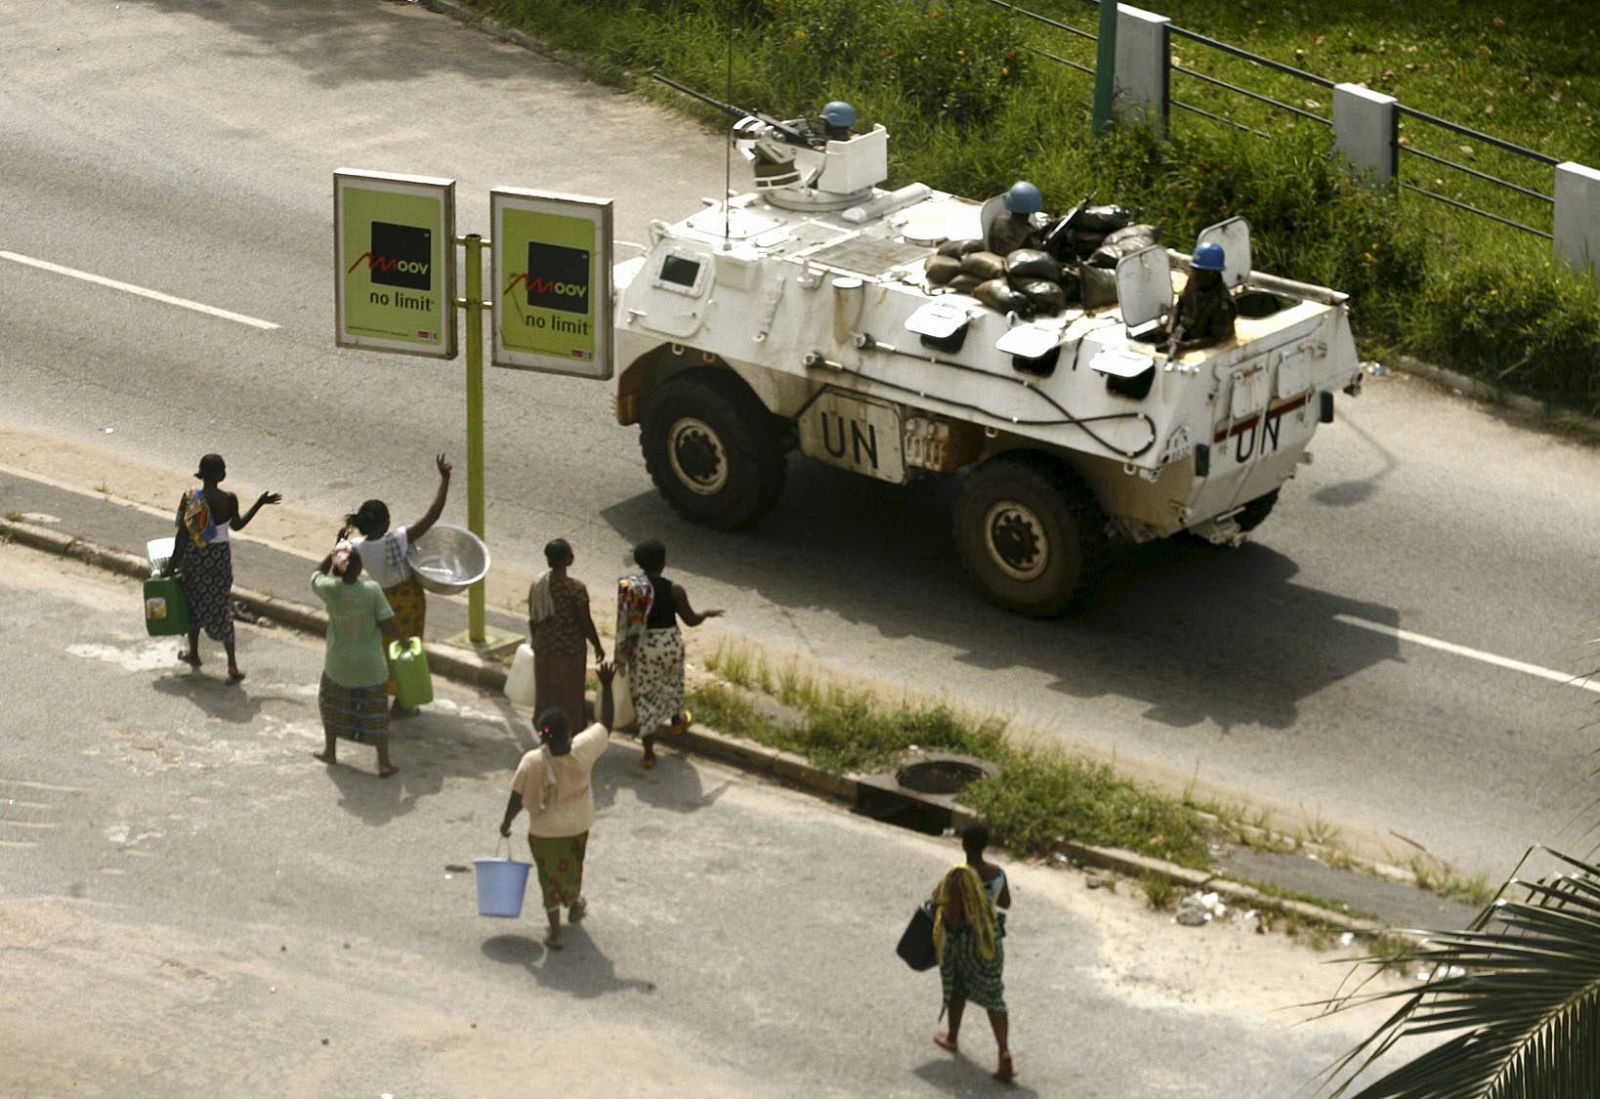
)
(938, 776)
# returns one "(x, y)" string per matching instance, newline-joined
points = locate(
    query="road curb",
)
(783, 767)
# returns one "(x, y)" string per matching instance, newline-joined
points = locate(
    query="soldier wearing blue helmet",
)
(1022, 223)
(1206, 312)
(837, 118)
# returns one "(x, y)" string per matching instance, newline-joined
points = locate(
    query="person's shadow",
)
(376, 800)
(673, 784)
(230, 702)
(580, 970)
(958, 1074)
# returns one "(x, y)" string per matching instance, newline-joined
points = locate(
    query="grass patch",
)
(1159, 891)
(1440, 877)
(1037, 799)
(972, 107)
(13, 516)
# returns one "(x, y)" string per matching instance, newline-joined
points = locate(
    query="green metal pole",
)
(474, 306)
(1105, 67)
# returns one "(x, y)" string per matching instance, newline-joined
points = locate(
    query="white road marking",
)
(128, 287)
(44, 786)
(1582, 682)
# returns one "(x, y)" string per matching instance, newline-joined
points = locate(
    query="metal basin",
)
(449, 559)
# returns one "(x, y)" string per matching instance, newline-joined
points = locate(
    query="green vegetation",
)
(1159, 891)
(1037, 799)
(973, 104)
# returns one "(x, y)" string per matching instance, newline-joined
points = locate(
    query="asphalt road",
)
(190, 905)
(187, 147)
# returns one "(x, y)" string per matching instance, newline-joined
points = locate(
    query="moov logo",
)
(558, 278)
(401, 255)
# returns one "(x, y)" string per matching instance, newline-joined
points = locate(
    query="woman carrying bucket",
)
(553, 783)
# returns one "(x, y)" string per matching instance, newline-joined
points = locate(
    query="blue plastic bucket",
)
(501, 884)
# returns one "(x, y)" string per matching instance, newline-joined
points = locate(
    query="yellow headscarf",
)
(975, 903)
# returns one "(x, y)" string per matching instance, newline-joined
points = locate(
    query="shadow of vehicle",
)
(1195, 632)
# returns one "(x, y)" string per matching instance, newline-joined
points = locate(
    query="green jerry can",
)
(408, 663)
(166, 611)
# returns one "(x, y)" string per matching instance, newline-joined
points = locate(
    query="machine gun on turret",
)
(760, 138)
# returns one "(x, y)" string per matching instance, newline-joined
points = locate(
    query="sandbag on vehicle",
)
(1076, 244)
(941, 269)
(997, 294)
(1030, 263)
(1044, 295)
(963, 283)
(1099, 286)
(986, 265)
(1108, 253)
(1151, 233)
(1103, 219)
(959, 248)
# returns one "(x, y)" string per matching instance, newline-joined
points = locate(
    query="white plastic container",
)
(521, 686)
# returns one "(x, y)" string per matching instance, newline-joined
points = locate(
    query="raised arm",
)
(686, 611)
(431, 516)
(239, 522)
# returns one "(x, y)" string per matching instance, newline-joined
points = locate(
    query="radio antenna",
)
(727, 153)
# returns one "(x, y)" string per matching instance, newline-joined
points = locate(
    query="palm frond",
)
(1518, 991)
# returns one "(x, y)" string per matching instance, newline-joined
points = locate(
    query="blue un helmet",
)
(1024, 198)
(839, 113)
(1208, 257)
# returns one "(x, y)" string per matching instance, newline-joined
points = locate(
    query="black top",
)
(664, 607)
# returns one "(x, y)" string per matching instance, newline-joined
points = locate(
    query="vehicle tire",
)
(1253, 514)
(1030, 534)
(712, 450)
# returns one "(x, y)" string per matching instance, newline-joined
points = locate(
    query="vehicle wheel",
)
(1253, 514)
(1030, 534)
(712, 450)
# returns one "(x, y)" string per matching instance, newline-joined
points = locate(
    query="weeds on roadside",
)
(1159, 891)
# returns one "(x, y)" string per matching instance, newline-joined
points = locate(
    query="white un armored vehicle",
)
(803, 316)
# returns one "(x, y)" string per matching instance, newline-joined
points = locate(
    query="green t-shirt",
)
(355, 644)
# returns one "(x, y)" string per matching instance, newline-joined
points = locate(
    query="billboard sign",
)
(394, 252)
(552, 282)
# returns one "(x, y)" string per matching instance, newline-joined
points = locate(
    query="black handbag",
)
(916, 944)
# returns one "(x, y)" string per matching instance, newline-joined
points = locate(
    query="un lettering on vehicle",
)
(855, 434)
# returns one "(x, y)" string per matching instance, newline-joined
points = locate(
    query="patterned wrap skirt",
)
(968, 975)
(353, 713)
(207, 579)
(656, 679)
(409, 601)
(559, 861)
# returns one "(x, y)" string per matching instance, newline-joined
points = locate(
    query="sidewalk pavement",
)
(191, 905)
(97, 520)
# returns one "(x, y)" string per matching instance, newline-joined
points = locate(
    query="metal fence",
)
(1409, 158)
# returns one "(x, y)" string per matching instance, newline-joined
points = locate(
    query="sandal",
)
(647, 762)
(1006, 1072)
(943, 1040)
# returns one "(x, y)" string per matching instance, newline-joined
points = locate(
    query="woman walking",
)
(967, 936)
(202, 555)
(553, 784)
(384, 548)
(650, 645)
(559, 623)
(351, 697)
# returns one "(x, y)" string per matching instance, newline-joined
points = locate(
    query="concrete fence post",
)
(1366, 132)
(1143, 67)
(1577, 230)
